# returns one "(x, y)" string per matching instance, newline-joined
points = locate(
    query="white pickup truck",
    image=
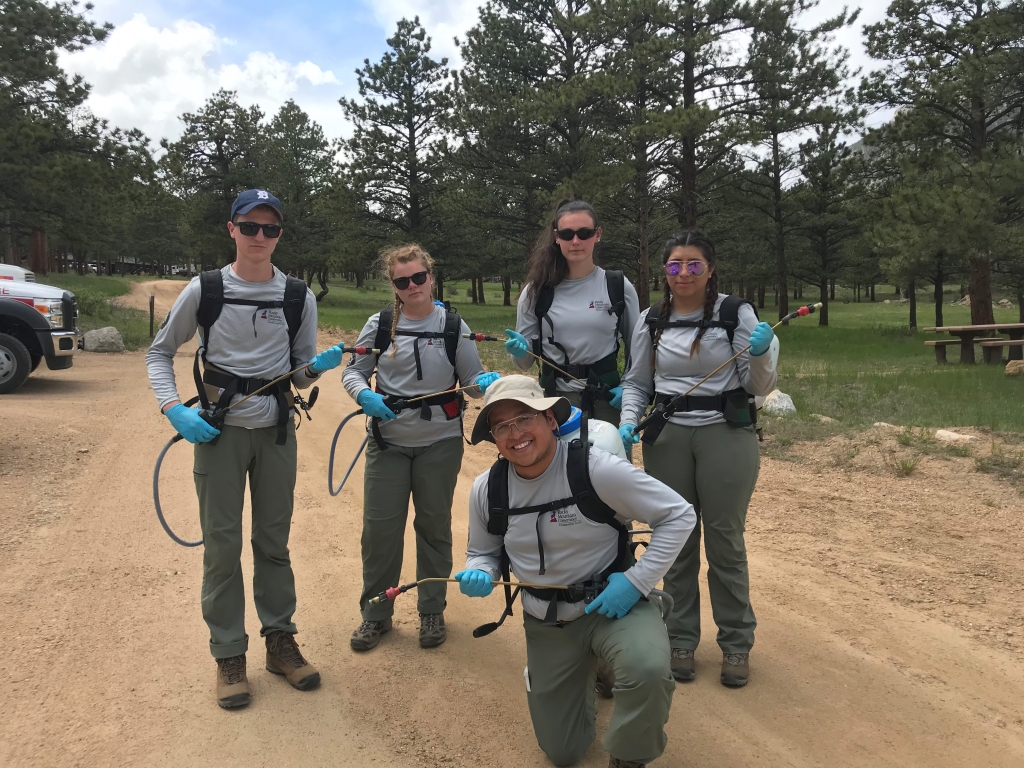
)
(37, 322)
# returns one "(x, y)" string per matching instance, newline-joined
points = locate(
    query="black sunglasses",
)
(401, 283)
(250, 228)
(568, 234)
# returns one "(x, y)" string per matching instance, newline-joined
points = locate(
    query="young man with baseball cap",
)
(255, 324)
(549, 533)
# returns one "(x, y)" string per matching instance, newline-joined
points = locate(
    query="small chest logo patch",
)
(600, 305)
(715, 333)
(273, 316)
(564, 517)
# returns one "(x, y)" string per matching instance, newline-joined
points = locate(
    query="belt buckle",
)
(589, 591)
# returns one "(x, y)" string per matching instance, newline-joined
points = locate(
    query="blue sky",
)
(165, 58)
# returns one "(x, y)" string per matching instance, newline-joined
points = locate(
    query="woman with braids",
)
(417, 451)
(573, 314)
(707, 451)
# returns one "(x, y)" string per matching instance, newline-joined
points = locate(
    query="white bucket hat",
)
(523, 390)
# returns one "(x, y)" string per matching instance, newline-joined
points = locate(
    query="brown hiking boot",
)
(683, 668)
(735, 669)
(614, 762)
(605, 679)
(367, 634)
(232, 685)
(285, 658)
(432, 630)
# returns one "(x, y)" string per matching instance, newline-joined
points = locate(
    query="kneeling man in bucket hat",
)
(552, 513)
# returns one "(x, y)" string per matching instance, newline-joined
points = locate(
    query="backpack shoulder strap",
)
(294, 302)
(211, 302)
(654, 317)
(545, 298)
(615, 281)
(729, 313)
(578, 471)
(383, 338)
(497, 498)
(452, 334)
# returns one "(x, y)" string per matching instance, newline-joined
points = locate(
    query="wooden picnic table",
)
(969, 333)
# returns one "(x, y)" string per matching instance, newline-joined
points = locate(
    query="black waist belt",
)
(450, 403)
(591, 373)
(735, 404)
(237, 385)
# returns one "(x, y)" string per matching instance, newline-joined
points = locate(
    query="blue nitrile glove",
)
(616, 393)
(190, 424)
(760, 338)
(326, 360)
(438, 303)
(517, 345)
(474, 583)
(628, 438)
(616, 599)
(372, 404)
(484, 380)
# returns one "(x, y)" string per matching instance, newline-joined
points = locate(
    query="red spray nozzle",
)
(804, 311)
(392, 592)
(364, 350)
(479, 337)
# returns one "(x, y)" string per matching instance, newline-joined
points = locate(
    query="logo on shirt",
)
(604, 306)
(273, 316)
(564, 517)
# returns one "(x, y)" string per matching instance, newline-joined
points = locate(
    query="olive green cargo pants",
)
(562, 663)
(714, 468)
(220, 473)
(429, 474)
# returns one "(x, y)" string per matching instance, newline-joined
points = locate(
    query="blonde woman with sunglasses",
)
(574, 314)
(416, 452)
(707, 451)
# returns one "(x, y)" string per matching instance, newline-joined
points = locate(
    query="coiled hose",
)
(156, 496)
(334, 445)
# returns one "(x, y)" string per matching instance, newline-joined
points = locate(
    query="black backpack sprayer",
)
(214, 416)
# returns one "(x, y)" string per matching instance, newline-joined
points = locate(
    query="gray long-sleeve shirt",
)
(582, 324)
(575, 547)
(397, 376)
(677, 371)
(241, 343)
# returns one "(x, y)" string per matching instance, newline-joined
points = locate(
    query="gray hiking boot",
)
(683, 668)
(367, 634)
(735, 669)
(432, 630)
(232, 684)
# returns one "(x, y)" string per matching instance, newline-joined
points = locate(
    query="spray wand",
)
(485, 337)
(664, 410)
(392, 592)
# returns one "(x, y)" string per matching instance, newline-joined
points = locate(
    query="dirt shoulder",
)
(885, 607)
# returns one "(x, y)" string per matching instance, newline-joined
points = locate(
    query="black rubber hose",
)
(334, 447)
(156, 496)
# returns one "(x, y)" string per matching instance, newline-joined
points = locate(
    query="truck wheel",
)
(15, 364)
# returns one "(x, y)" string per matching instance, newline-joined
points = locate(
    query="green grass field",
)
(864, 367)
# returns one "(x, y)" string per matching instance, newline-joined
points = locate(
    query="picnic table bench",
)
(991, 348)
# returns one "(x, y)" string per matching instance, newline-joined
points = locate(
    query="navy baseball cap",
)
(252, 198)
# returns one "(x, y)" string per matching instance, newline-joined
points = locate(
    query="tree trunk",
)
(321, 278)
(832, 292)
(775, 296)
(938, 296)
(823, 312)
(506, 288)
(359, 278)
(8, 240)
(37, 255)
(912, 295)
(980, 290)
(872, 291)
(439, 285)
(1020, 305)
(472, 290)
(480, 289)
(780, 235)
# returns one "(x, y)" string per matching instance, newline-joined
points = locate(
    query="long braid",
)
(709, 311)
(665, 306)
(394, 325)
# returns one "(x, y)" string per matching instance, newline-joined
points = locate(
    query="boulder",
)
(884, 425)
(1015, 368)
(778, 404)
(887, 302)
(947, 436)
(104, 340)
(823, 419)
(1006, 304)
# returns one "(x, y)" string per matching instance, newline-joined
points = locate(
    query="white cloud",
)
(146, 76)
(443, 19)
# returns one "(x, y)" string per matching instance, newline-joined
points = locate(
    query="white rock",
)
(104, 340)
(887, 302)
(1005, 303)
(778, 404)
(948, 436)
(823, 419)
(884, 425)
(1014, 368)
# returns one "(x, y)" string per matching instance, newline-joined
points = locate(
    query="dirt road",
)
(890, 628)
